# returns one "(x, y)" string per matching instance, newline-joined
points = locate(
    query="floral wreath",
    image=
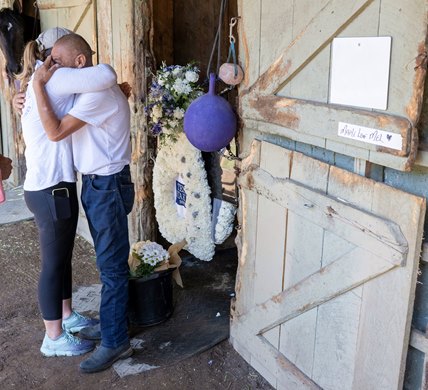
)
(180, 185)
(182, 165)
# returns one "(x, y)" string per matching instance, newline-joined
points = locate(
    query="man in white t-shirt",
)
(99, 124)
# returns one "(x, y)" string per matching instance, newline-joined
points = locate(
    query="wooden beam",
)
(351, 270)
(298, 115)
(287, 374)
(50, 4)
(374, 234)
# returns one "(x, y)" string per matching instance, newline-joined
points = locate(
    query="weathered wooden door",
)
(327, 273)
(327, 258)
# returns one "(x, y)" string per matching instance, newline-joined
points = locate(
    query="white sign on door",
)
(360, 71)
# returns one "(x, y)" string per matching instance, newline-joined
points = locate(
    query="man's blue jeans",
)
(107, 200)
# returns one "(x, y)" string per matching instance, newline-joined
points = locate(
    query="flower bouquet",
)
(152, 269)
(147, 257)
(172, 90)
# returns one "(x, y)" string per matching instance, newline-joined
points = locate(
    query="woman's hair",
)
(31, 54)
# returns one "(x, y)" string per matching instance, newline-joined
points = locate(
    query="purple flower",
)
(156, 129)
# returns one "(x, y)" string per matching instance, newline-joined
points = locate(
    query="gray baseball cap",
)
(47, 39)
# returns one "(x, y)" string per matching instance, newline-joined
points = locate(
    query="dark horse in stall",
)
(15, 30)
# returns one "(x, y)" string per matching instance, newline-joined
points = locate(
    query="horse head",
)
(11, 39)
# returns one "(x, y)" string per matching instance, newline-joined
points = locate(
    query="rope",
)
(217, 39)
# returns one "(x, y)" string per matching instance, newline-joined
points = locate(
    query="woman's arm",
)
(68, 81)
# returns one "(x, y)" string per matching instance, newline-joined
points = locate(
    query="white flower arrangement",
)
(224, 224)
(172, 90)
(149, 255)
(182, 160)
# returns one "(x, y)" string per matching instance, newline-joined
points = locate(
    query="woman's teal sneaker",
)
(65, 345)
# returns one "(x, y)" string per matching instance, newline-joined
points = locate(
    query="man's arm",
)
(55, 129)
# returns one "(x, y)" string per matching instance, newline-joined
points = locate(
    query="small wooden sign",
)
(370, 135)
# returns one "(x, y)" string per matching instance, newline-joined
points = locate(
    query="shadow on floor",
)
(201, 313)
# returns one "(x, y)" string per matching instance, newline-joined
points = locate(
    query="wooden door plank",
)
(311, 83)
(246, 239)
(271, 223)
(246, 245)
(287, 374)
(323, 27)
(338, 319)
(274, 13)
(388, 301)
(408, 57)
(271, 236)
(105, 34)
(344, 274)
(379, 236)
(249, 35)
(298, 335)
(336, 339)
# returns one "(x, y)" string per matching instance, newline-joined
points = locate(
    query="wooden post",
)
(142, 221)
(125, 41)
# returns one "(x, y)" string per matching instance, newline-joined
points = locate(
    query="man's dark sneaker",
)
(91, 332)
(104, 358)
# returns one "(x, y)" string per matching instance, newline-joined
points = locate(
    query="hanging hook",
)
(232, 24)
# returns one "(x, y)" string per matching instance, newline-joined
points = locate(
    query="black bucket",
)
(150, 298)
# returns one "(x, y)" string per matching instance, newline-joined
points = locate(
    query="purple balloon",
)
(209, 121)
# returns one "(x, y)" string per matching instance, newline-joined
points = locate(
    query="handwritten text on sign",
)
(371, 136)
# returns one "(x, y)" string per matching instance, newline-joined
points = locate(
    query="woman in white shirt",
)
(50, 192)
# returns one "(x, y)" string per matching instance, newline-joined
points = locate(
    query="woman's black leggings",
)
(55, 211)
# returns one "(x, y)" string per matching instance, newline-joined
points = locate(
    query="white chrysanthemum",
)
(173, 123)
(178, 113)
(225, 219)
(182, 87)
(151, 253)
(176, 71)
(192, 76)
(157, 111)
(161, 81)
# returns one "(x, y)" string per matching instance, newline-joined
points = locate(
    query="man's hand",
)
(5, 167)
(18, 102)
(43, 74)
(126, 89)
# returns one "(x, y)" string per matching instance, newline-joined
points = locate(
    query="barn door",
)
(328, 259)
(76, 15)
(327, 273)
